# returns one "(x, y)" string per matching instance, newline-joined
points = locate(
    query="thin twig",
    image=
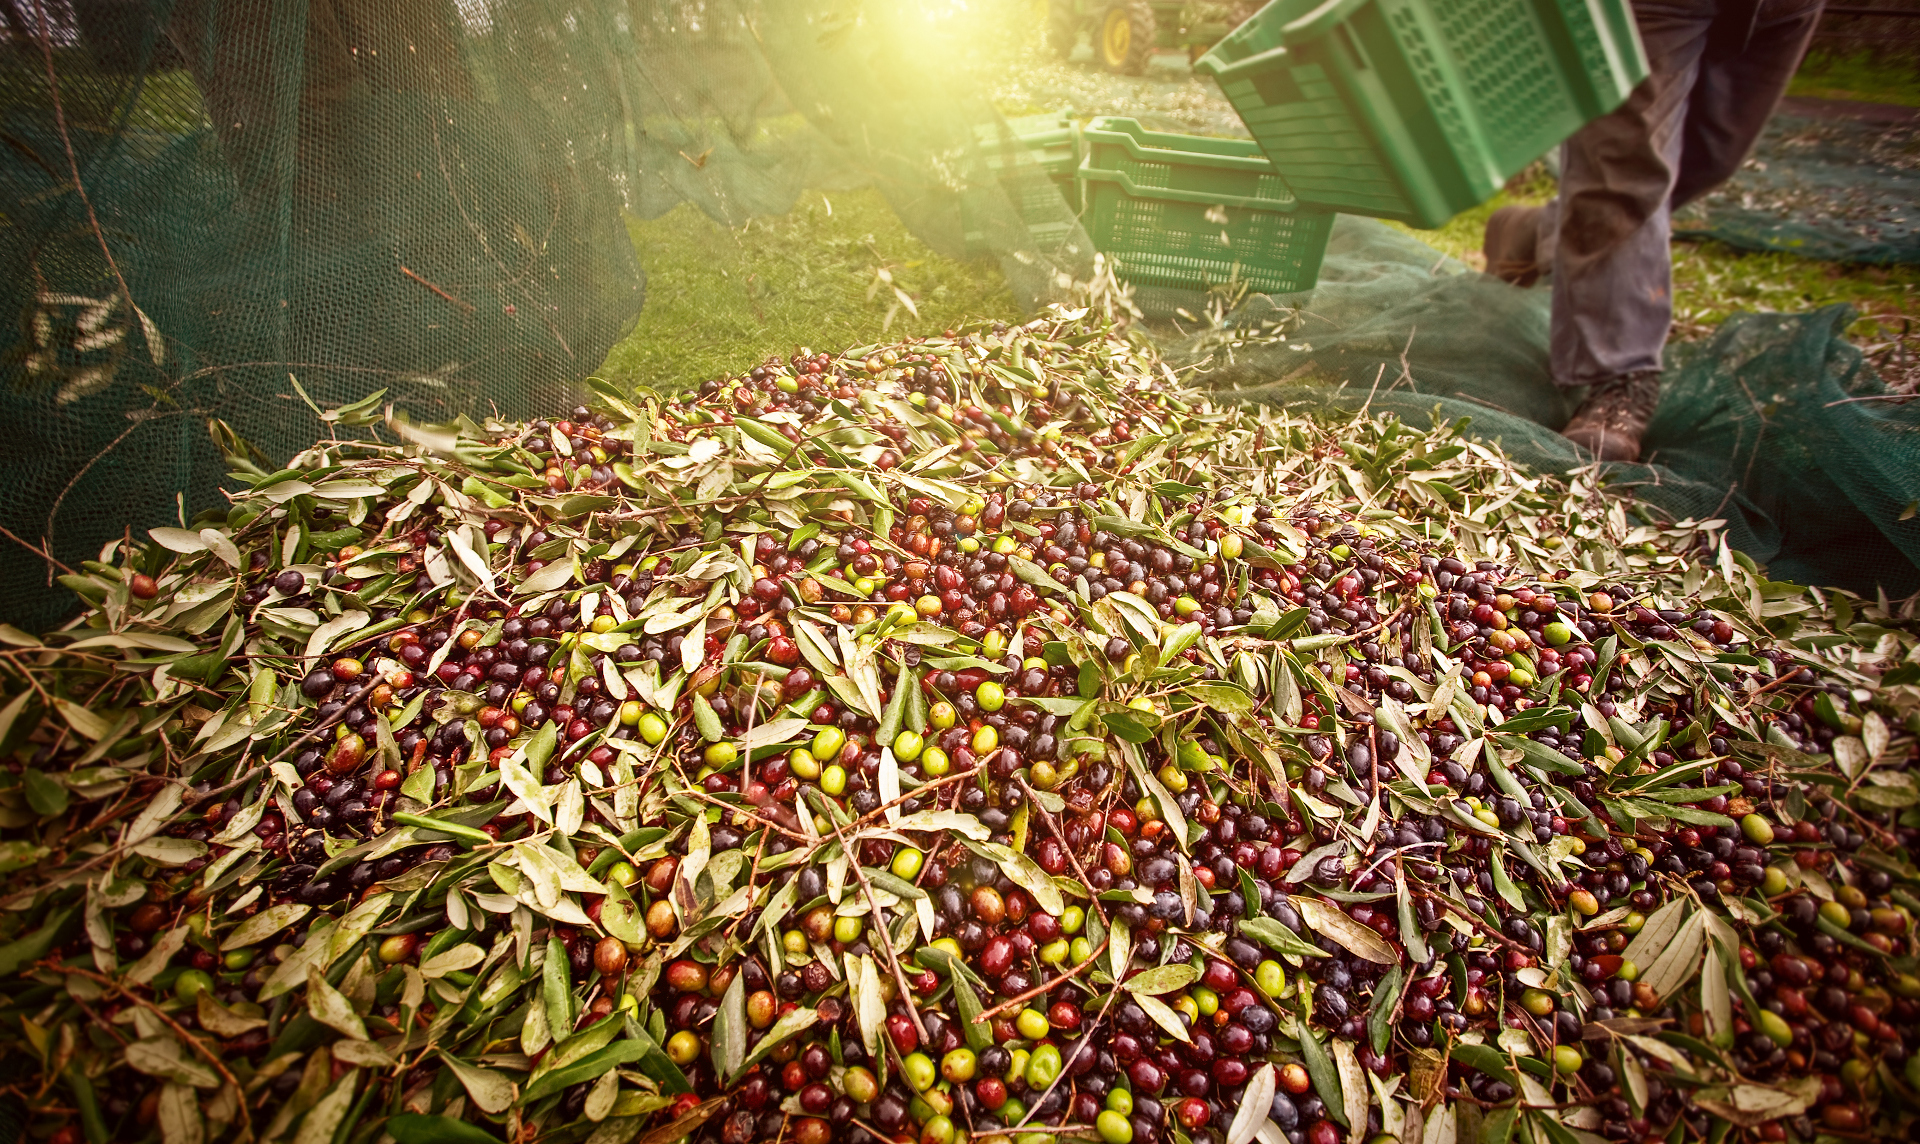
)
(1054, 828)
(1047, 986)
(212, 1058)
(886, 935)
(467, 306)
(1483, 927)
(42, 552)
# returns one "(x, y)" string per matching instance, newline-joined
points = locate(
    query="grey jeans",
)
(1718, 67)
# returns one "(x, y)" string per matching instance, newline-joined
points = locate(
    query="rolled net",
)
(211, 200)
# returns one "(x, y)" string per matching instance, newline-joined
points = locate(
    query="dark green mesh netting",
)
(1844, 189)
(1774, 423)
(422, 195)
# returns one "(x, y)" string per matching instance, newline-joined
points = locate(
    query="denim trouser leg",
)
(1718, 68)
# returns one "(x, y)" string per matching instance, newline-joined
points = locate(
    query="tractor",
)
(1126, 33)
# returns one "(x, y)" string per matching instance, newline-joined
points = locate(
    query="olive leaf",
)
(1355, 938)
(1353, 1081)
(331, 1008)
(1027, 874)
(791, 1023)
(556, 989)
(1253, 1106)
(1161, 979)
(730, 1028)
(489, 1090)
(1164, 1016)
(1321, 1070)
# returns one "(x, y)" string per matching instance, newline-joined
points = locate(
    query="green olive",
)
(1120, 1100)
(846, 931)
(958, 1066)
(828, 742)
(1757, 829)
(935, 762)
(191, 984)
(907, 862)
(652, 728)
(398, 948)
(1776, 1028)
(1113, 1125)
(833, 780)
(720, 754)
(1567, 1059)
(1205, 1000)
(919, 1071)
(1774, 883)
(1271, 977)
(803, 764)
(1072, 919)
(938, 1129)
(1042, 1067)
(986, 740)
(631, 711)
(907, 746)
(990, 695)
(1031, 1024)
(683, 1048)
(942, 715)
(860, 1085)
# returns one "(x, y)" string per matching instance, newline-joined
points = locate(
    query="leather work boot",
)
(1513, 234)
(1613, 418)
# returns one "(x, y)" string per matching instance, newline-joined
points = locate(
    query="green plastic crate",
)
(1419, 109)
(1192, 212)
(1037, 188)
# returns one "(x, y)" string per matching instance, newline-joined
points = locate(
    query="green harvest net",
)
(424, 197)
(1833, 188)
(427, 198)
(1773, 424)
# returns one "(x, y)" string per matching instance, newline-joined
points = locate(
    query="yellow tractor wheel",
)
(1126, 37)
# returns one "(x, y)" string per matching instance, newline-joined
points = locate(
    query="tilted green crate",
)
(1419, 109)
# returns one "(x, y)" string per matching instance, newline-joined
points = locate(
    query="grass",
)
(1858, 75)
(719, 300)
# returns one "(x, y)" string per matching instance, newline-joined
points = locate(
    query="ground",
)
(718, 297)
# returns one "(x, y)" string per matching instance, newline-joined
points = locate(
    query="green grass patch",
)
(720, 300)
(1859, 76)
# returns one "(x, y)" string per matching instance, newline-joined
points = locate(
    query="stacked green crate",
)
(1193, 212)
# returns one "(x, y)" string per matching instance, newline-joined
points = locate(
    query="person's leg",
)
(1741, 78)
(1612, 269)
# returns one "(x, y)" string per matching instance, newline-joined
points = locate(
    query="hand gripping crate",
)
(1035, 160)
(1419, 109)
(1193, 212)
